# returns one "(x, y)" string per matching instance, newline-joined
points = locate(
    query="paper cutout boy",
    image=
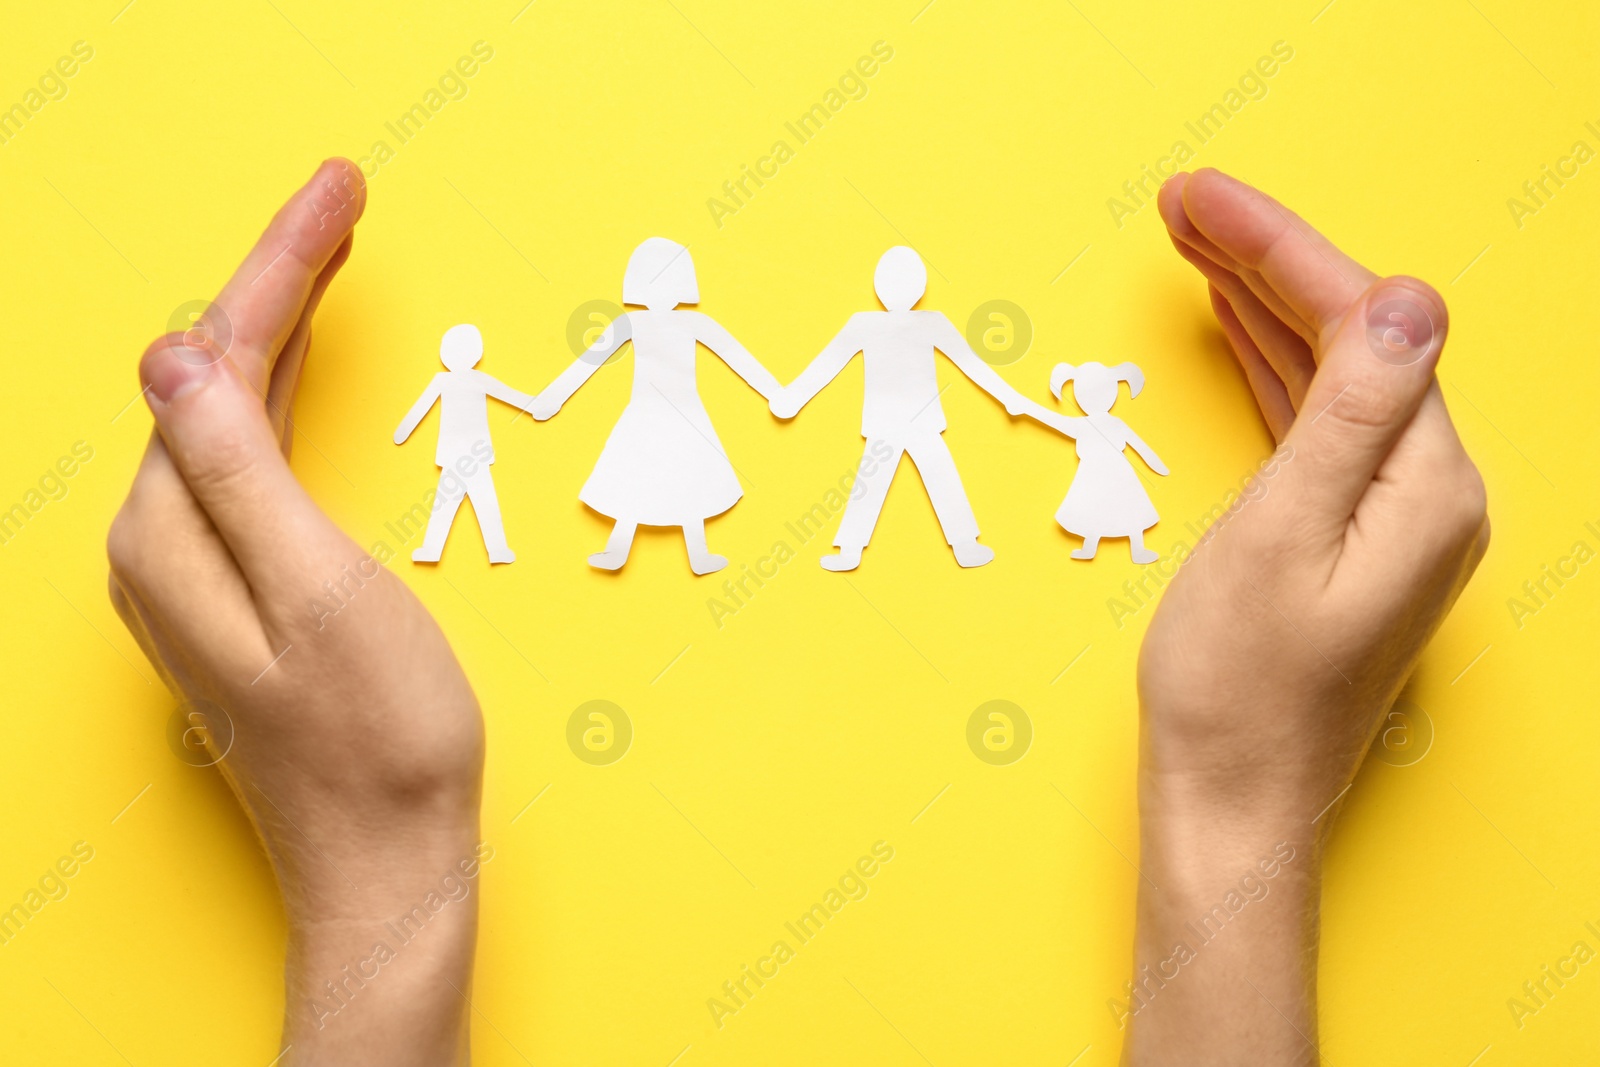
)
(464, 451)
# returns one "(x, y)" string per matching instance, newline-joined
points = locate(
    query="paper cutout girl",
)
(1106, 498)
(663, 464)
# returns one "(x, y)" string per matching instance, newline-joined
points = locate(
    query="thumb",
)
(1377, 364)
(217, 431)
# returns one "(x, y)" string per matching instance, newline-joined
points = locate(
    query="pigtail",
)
(1063, 373)
(1130, 373)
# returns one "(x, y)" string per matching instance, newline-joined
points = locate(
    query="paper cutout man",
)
(663, 464)
(465, 452)
(900, 407)
(1106, 498)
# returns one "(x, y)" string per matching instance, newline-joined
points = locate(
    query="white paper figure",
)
(900, 407)
(663, 464)
(464, 452)
(1106, 498)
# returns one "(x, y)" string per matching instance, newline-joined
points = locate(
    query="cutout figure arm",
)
(501, 391)
(821, 370)
(1070, 425)
(558, 392)
(726, 347)
(985, 377)
(418, 410)
(1147, 453)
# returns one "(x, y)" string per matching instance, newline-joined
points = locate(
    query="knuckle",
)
(1471, 496)
(223, 469)
(1469, 514)
(119, 598)
(123, 542)
(1361, 405)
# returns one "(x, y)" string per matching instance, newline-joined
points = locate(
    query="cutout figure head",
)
(660, 276)
(1094, 385)
(901, 279)
(461, 348)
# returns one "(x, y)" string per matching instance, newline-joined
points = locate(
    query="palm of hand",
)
(1282, 641)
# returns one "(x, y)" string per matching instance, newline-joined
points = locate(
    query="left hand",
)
(355, 743)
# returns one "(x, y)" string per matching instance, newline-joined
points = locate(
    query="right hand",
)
(1283, 640)
(1281, 644)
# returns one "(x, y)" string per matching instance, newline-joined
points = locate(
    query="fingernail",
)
(168, 375)
(1405, 324)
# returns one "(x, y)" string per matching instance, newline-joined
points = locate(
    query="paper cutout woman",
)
(663, 464)
(1106, 498)
(464, 453)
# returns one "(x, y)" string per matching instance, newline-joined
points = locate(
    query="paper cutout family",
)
(664, 466)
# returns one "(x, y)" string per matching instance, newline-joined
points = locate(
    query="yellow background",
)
(826, 715)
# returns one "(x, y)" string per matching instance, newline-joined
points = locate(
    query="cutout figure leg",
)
(444, 514)
(1140, 553)
(618, 545)
(1090, 545)
(486, 505)
(701, 558)
(861, 512)
(949, 497)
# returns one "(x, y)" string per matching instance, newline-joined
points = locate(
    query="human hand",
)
(352, 737)
(1283, 641)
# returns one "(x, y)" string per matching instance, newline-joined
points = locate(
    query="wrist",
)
(1226, 943)
(384, 975)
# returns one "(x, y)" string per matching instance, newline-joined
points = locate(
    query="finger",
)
(1313, 277)
(1423, 525)
(265, 298)
(1377, 368)
(285, 382)
(169, 563)
(1427, 484)
(1169, 202)
(1181, 228)
(1271, 397)
(1287, 352)
(215, 427)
